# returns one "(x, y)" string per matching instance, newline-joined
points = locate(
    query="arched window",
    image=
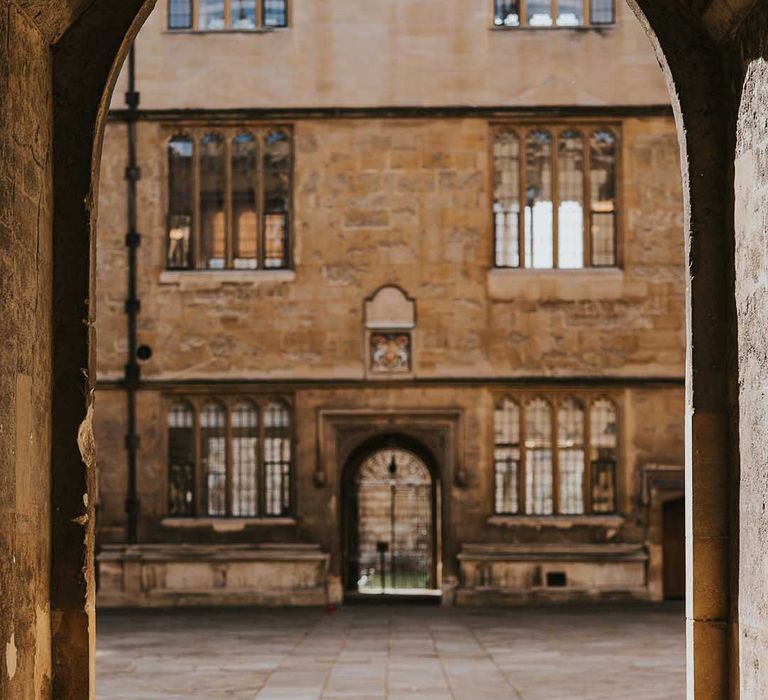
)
(538, 200)
(602, 178)
(507, 457)
(570, 208)
(181, 460)
(244, 218)
(239, 217)
(212, 188)
(567, 184)
(538, 458)
(506, 198)
(277, 189)
(277, 459)
(570, 456)
(534, 475)
(245, 459)
(213, 437)
(180, 202)
(603, 446)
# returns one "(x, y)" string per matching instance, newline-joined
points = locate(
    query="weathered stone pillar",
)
(25, 364)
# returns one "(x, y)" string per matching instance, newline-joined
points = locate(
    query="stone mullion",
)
(587, 445)
(586, 13)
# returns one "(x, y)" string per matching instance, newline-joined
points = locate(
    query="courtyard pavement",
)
(393, 653)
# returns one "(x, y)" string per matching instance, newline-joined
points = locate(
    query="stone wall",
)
(751, 191)
(467, 509)
(339, 53)
(408, 203)
(25, 357)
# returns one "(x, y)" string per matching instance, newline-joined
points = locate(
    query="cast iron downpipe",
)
(132, 377)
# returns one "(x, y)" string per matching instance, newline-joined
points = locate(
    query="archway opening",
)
(390, 509)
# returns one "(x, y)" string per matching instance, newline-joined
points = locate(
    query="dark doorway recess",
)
(391, 506)
(674, 549)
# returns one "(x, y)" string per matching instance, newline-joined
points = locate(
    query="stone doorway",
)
(390, 507)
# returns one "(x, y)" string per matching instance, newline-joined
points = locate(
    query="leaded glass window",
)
(245, 457)
(275, 13)
(213, 170)
(180, 202)
(214, 458)
(227, 15)
(550, 13)
(538, 457)
(603, 197)
(506, 200)
(179, 14)
(604, 443)
(277, 458)
(566, 179)
(570, 445)
(507, 456)
(243, 462)
(555, 455)
(230, 199)
(181, 459)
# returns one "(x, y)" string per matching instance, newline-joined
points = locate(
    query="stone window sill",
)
(555, 27)
(569, 285)
(257, 30)
(205, 278)
(227, 524)
(556, 521)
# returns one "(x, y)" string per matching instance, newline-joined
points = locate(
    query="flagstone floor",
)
(393, 653)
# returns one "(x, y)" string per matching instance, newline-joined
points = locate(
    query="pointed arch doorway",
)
(391, 511)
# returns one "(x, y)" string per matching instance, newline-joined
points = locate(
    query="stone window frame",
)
(554, 398)
(555, 128)
(194, 14)
(229, 401)
(229, 131)
(502, 8)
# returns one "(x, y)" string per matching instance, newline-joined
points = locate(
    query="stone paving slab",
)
(393, 653)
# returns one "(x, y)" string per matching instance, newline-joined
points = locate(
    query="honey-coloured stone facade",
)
(392, 319)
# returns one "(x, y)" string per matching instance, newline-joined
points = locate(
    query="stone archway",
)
(60, 61)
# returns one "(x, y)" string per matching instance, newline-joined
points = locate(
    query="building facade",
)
(411, 308)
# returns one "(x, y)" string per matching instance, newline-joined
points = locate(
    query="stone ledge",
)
(217, 278)
(556, 521)
(227, 524)
(550, 552)
(565, 285)
(212, 552)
